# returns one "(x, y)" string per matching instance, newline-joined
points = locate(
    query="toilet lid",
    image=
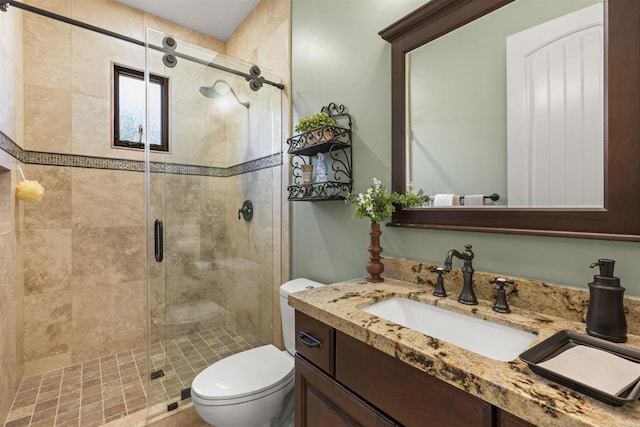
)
(245, 373)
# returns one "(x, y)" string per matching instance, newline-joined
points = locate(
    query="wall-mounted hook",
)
(246, 211)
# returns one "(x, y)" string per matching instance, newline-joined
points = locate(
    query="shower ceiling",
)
(216, 18)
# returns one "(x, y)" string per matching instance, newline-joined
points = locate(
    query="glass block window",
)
(129, 107)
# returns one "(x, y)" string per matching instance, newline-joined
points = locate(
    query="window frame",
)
(119, 70)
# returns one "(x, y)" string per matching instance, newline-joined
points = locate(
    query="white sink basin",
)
(489, 339)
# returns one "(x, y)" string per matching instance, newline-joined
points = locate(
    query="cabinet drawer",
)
(315, 341)
(403, 392)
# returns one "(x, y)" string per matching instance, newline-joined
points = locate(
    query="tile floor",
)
(99, 391)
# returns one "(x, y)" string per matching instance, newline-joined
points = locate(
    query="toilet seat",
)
(244, 376)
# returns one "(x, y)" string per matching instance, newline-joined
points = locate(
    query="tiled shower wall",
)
(84, 287)
(11, 125)
(85, 292)
(264, 38)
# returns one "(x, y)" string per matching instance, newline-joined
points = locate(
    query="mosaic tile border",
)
(73, 160)
(7, 145)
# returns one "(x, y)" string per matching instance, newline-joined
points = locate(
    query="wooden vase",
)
(374, 266)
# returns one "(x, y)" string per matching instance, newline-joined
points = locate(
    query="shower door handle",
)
(158, 238)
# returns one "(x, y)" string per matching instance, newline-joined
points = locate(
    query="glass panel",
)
(213, 293)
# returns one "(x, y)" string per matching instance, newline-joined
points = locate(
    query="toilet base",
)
(273, 410)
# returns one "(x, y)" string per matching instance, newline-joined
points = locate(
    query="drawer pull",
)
(308, 340)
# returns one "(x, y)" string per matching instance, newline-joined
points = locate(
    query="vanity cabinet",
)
(335, 143)
(355, 384)
(320, 400)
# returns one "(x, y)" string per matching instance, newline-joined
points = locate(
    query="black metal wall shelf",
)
(335, 141)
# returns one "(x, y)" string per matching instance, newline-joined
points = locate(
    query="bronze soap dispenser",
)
(606, 318)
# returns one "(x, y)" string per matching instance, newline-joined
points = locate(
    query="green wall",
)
(337, 56)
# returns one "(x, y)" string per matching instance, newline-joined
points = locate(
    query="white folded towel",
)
(596, 368)
(440, 200)
(474, 200)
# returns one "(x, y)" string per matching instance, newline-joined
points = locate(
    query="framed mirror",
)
(612, 213)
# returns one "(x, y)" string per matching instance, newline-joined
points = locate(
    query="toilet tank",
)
(287, 312)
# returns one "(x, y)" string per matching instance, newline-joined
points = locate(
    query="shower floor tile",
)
(98, 391)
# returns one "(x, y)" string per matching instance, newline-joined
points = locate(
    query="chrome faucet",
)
(467, 296)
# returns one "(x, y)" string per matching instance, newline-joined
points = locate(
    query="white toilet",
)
(253, 387)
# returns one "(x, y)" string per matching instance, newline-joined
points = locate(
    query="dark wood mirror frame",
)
(620, 217)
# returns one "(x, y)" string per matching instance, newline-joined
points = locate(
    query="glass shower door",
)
(211, 293)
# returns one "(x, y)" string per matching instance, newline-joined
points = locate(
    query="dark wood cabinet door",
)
(410, 396)
(321, 402)
(508, 420)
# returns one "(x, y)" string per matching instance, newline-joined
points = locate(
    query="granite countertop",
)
(511, 386)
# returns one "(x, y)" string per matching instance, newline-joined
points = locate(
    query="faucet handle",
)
(501, 305)
(439, 290)
(501, 282)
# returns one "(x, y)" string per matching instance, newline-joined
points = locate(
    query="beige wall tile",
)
(244, 41)
(8, 272)
(11, 37)
(46, 364)
(91, 126)
(185, 289)
(183, 33)
(93, 58)
(107, 256)
(54, 211)
(183, 199)
(61, 7)
(157, 182)
(11, 85)
(11, 357)
(46, 261)
(47, 52)
(47, 324)
(91, 66)
(48, 112)
(110, 15)
(273, 52)
(107, 198)
(108, 319)
(157, 296)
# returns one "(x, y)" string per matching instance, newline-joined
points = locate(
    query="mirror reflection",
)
(511, 104)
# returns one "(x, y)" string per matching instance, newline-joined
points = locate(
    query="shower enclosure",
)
(145, 266)
(212, 273)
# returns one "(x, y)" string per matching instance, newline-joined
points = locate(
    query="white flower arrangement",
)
(376, 204)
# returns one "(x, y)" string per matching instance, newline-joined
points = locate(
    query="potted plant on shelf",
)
(376, 205)
(315, 127)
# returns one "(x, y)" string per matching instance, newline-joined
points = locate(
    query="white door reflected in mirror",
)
(457, 116)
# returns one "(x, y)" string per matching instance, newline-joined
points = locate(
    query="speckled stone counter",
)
(508, 385)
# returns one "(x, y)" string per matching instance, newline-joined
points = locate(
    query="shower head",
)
(219, 89)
